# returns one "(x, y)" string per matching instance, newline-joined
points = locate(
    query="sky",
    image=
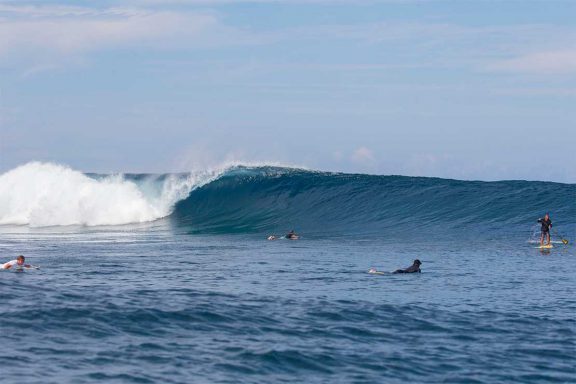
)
(482, 90)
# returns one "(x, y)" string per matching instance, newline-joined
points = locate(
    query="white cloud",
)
(56, 36)
(549, 62)
(363, 155)
(26, 30)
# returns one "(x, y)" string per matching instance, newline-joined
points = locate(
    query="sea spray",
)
(44, 194)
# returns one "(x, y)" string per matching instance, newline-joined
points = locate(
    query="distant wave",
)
(269, 198)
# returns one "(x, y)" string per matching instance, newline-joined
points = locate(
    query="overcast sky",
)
(460, 89)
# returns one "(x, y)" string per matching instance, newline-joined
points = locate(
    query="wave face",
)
(242, 199)
(272, 199)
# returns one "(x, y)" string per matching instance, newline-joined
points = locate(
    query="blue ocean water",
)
(201, 296)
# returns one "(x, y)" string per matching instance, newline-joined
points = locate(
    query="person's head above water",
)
(547, 216)
(20, 259)
(291, 235)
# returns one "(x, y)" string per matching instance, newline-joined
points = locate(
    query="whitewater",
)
(169, 278)
(44, 194)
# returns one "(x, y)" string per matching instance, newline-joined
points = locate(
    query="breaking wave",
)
(268, 198)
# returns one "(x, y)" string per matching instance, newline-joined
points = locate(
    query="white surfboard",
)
(373, 271)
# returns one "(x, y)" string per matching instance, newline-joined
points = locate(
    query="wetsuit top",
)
(546, 224)
(414, 268)
(10, 264)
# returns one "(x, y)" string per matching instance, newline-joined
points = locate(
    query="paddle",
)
(564, 241)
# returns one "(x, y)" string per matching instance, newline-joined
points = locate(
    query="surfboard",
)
(22, 269)
(545, 246)
(375, 272)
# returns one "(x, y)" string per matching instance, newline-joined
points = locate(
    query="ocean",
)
(171, 279)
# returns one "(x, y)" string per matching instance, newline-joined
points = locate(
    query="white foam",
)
(44, 194)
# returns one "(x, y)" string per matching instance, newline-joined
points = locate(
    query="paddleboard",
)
(545, 246)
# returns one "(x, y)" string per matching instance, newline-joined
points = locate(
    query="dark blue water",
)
(201, 296)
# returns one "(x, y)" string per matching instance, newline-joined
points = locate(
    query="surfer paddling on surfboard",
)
(18, 263)
(290, 236)
(414, 268)
(546, 225)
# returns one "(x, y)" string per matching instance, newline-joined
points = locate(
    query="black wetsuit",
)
(546, 224)
(413, 269)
